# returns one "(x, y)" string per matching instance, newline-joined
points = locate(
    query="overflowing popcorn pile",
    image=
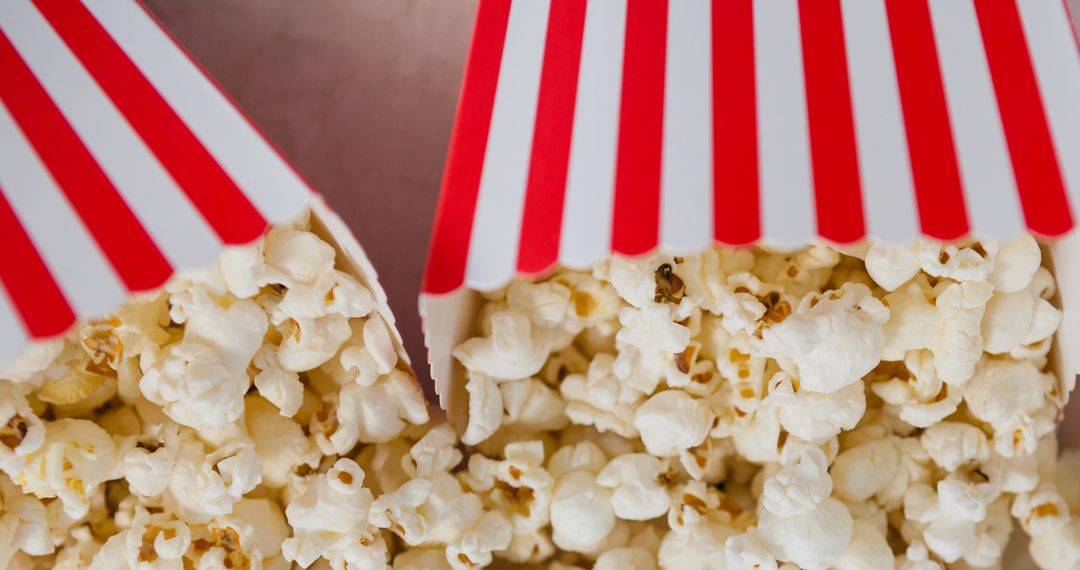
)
(886, 407)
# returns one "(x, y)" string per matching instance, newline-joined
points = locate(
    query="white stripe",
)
(1057, 70)
(497, 223)
(787, 191)
(12, 335)
(590, 178)
(884, 163)
(985, 166)
(686, 207)
(271, 184)
(68, 250)
(166, 213)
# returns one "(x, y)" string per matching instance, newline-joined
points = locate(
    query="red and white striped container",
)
(592, 127)
(121, 162)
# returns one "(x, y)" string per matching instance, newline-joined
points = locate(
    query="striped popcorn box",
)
(122, 164)
(587, 129)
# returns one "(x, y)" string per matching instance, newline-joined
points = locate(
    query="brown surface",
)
(360, 96)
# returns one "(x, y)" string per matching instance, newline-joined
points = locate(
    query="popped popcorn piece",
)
(1022, 322)
(972, 262)
(629, 558)
(950, 514)
(330, 520)
(582, 515)
(599, 398)
(396, 510)
(532, 405)
(279, 386)
(814, 540)
(867, 549)
(672, 421)
(813, 416)
(639, 484)
(510, 352)
(153, 541)
(380, 412)
(195, 387)
(1015, 263)
(800, 485)
(954, 444)
(76, 457)
(959, 343)
(892, 265)
(204, 485)
(862, 471)
(834, 340)
(490, 533)
(485, 408)
(21, 431)
(916, 391)
(745, 551)
(1007, 394)
(279, 441)
(1041, 510)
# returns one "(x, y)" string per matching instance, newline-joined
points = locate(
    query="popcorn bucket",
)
(122, 163)
(587, 129)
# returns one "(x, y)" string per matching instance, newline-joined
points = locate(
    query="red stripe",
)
(635, 227)
(1038, 177)
(28, 282)
(832, 126)
(122, 238)
(545, 191)
(453, 223)
(926, 118)
(736, 207)
(196, 172)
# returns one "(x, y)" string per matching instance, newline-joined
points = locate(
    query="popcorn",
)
(1016, 261)
(834, 340)
(813, 416)
(814, 540)
(746, 552)
(485, 408)
(867, 549)
(279, 386)
(204, 485)
(76, 457)
(582, 515)
(155, 541)
(972, 262)
(639, 486)
(672, 421)
(800, 485)
(330, 520)
(891, 266)
(195, 387)
(626, 558)
(1021, 323)
(1006, 395)
(954, 444)
(598, 398)
(510, 352)
(737, 408)
(279, 441)
(959, 343)
(21, 431)
(492, 532)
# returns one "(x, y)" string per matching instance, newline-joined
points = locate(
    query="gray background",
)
(360, 96)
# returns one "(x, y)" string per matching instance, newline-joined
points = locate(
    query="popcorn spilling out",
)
(884, 407)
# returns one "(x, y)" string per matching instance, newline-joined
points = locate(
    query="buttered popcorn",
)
(877, 407)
